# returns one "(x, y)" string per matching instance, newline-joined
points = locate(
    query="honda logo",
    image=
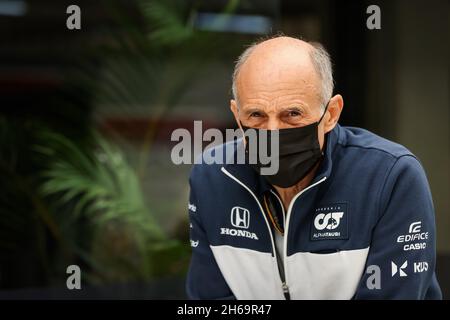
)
(240, 217)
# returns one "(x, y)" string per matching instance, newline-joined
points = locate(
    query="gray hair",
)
(321, 62)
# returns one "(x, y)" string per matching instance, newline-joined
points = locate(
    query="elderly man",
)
(348, 214)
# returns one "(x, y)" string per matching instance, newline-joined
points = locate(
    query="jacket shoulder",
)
(352, 137)
(211, 160)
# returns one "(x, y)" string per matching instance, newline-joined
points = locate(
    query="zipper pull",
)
(285, 288)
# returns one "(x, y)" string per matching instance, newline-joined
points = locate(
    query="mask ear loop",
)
(323, 114)
(324, 111)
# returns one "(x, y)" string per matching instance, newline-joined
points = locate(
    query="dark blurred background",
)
(86, 119)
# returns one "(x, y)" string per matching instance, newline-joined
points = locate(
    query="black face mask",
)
(299, 152)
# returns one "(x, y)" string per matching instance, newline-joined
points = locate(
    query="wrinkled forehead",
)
(271, 74)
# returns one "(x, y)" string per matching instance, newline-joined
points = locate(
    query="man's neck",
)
(287, 194)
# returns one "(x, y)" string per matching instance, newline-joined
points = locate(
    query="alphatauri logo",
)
(239, 218)
(330, 222)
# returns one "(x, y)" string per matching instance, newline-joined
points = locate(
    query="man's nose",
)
(273, 124)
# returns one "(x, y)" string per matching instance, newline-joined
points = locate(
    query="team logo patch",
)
(330, 222)
(240, 219)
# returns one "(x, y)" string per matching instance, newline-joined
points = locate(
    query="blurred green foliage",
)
(70, 196)
(80, 202)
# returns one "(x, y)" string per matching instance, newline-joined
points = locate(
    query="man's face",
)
(277, 92)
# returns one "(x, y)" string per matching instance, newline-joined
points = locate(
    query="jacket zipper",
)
(280, 266)
(286, 226)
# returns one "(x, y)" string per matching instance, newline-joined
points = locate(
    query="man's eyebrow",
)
(253, 109)
(293, 108)
(296, 108)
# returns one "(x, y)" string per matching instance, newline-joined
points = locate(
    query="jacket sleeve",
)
(204, 279)
(402, 254)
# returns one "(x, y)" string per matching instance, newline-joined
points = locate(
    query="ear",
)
(334, 110)
(235, 109)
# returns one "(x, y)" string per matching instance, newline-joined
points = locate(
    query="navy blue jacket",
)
(363, 229)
